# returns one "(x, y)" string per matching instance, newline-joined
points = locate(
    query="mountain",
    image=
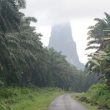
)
(62, 41)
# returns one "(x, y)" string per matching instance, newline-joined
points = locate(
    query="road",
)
(65, 102)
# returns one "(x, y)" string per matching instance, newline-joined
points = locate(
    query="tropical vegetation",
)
(99, 38)
(23, 59)
(27, 98)
(25, 63)
(99, 64)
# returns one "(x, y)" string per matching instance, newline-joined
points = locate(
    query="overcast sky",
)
(80, 13)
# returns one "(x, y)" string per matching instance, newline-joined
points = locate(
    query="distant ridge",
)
(62, 41)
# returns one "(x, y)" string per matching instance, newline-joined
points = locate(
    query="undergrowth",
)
(97, 96)
(27, 98)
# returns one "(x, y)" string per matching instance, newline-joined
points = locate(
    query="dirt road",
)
(65, 102)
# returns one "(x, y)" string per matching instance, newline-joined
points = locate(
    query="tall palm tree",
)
(99, 38)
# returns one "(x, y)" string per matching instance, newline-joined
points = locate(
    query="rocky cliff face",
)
(61, 40)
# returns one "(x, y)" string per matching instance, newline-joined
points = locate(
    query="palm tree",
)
(99, 39)
(98, 35)
(10, 15)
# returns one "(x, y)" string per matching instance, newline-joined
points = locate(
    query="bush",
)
(99, 94)
(2, 107)
(6, 93)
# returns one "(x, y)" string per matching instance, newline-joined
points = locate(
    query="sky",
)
(80, 13)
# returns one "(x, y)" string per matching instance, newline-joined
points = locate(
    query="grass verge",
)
(96, 98)
(77, 97)
(27, 98)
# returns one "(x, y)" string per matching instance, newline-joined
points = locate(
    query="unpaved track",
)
(65, 102)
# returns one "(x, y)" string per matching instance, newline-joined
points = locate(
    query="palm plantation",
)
(23, 59)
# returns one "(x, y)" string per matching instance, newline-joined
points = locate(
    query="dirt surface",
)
(65, 102)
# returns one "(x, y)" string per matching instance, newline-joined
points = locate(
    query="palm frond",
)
(92, 47)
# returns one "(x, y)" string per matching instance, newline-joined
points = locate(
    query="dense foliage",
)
(99, 39)
(23, 59)
(98, 96)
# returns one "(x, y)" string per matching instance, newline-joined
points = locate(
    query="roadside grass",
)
(77, 97)
(27, 98)
(89, 106)
(96, 98)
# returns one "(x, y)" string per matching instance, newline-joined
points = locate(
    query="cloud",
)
(52, 10)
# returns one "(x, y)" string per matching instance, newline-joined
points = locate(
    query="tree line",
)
(23, 59)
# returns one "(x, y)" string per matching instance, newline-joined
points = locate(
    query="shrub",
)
(99, 94)
(6, 92)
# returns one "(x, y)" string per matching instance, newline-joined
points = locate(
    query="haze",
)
(80, 13)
